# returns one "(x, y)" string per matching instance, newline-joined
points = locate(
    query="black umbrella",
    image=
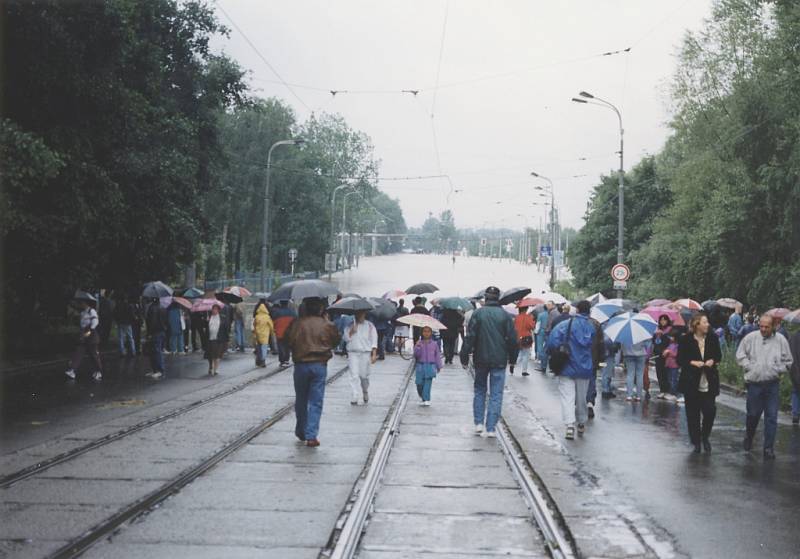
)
(227, 297)
(710, 305)
(513, 295)
(420, 288)
(81, 295)
(303, 289)
(384, 309)
(351, 305)
(156, 289)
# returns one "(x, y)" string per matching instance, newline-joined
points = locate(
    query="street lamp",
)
(344, 220)
(552, 227)
(603, 103)
(265, 232)
(333, 212)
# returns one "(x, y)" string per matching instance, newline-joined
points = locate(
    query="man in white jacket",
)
(362, 352)
(764, 357)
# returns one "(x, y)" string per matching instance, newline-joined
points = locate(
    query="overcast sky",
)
(506, 71)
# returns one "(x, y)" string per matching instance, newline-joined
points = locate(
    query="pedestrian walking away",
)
(219, 326)
(524, 324)
(578, 335)
(88, 342)
(612, 352)
(492, 342)
(238, 326)
(661, 341)
(428, 363)
(735, 323)
(282, 317)
(401, 331)
(311, 339)
(635, 357)
(362, 351)
(765, 356)
(156, 323)
(541, 336)
(124, 317)
(175, 323)
(453, 319)
(418, 308)
(262, 332)
(598, 356)
(699, 355)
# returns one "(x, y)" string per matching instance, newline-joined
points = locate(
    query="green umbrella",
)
(455, 303)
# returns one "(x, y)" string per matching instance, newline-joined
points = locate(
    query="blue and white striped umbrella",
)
(630, 329)
(604, 311)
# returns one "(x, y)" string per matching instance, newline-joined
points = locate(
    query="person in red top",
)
(524, 324)
(282, 318)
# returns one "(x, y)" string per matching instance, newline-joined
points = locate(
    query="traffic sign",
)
(292, 254)
(620, 272)
(620, 284)
(330, 262)
(546, 250)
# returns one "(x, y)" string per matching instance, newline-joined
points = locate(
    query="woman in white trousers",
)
(362, 352)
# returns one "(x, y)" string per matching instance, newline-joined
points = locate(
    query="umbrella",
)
(778, 312)
(394, 294)
(226, 297)
(513, 295)
(480, 294)
(626, 304)
(421, 320)
(156, 289)
(596, 298)
(604, 311)
(530, 302)
(728, 303)
(657, 303)
(455, 303)
(182, 301)
(238, 290)
(192, 293)
(557, 298)
(793, 317)
(351, 305)
(165, 302)
(690, 304)
(629, 329)
(84, 296)
(204, 305)
(709, 305)
(511, 309)
(303, 289)
(420, 288)
(656, 312)
(383, 308)
(352, 295)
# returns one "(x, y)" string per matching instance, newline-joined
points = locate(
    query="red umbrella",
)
(778, 312)
(656, 312)
(185, 303)
(394, 294)
(238, 290)
(205, 305)
(530, 302)
(690, 304)
(658, 303)
(422, 320)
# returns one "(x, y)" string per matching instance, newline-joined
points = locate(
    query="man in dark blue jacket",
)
(492, 341)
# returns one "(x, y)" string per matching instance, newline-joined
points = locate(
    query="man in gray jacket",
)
(764, 357)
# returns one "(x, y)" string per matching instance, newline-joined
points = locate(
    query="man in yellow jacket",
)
(262, 331)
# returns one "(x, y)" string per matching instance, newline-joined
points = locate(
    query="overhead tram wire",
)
(433, 102)
(261, 56)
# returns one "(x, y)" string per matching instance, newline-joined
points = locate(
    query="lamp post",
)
(552, 227)
(265, 232)
(344, 220)
(333, 212)
(603, 103)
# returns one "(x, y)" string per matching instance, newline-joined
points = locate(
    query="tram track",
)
(141, 506)
(8, 480)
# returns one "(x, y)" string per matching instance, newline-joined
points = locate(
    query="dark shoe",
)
(748, 444)
(526, 374)
(590, 412)
(769, 454)
(312, 443)
(706, 445)
(511, 369)
(301, 439)
(696, 449)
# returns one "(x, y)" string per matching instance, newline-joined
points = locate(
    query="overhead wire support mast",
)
(552, 229)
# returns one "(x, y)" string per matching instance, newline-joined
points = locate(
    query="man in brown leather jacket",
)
(311, 339)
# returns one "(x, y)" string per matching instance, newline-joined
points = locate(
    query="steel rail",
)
(344, 544)
(86, 540)
(28, 471)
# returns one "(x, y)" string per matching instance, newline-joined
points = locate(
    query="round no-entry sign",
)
(620, 272)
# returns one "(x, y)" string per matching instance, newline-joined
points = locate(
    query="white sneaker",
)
(661, 396)
(680, 400)
(97, 376)
(426, 403)
(156, 376)
(670, 397)
(490, 435)
(70, 374)
(479, 428)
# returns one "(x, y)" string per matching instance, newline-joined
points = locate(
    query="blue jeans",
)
(673, 374)
(156, 358)
(543, 356)
(238, 333)
(424, 389)
(591, 390)
(309, 389)
(634, 365)
(175, 341)
(126, 335)
(523, 357)
(607, 382)
(764, 398)
(795, 402)
(495, 378)
(263, 351)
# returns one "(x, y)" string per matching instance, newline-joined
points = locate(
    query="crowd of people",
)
(559, 339)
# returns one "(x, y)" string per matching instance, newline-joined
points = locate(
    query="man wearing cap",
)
(311, 339)
(492, 341)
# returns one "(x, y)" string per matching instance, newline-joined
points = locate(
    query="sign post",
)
(620, 274)
(292, 258)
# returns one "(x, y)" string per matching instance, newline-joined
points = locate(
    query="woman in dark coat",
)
(219, 326)
(698, 356)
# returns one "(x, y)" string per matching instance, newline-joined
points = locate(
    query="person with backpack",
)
(524, 324)
(570, 346)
